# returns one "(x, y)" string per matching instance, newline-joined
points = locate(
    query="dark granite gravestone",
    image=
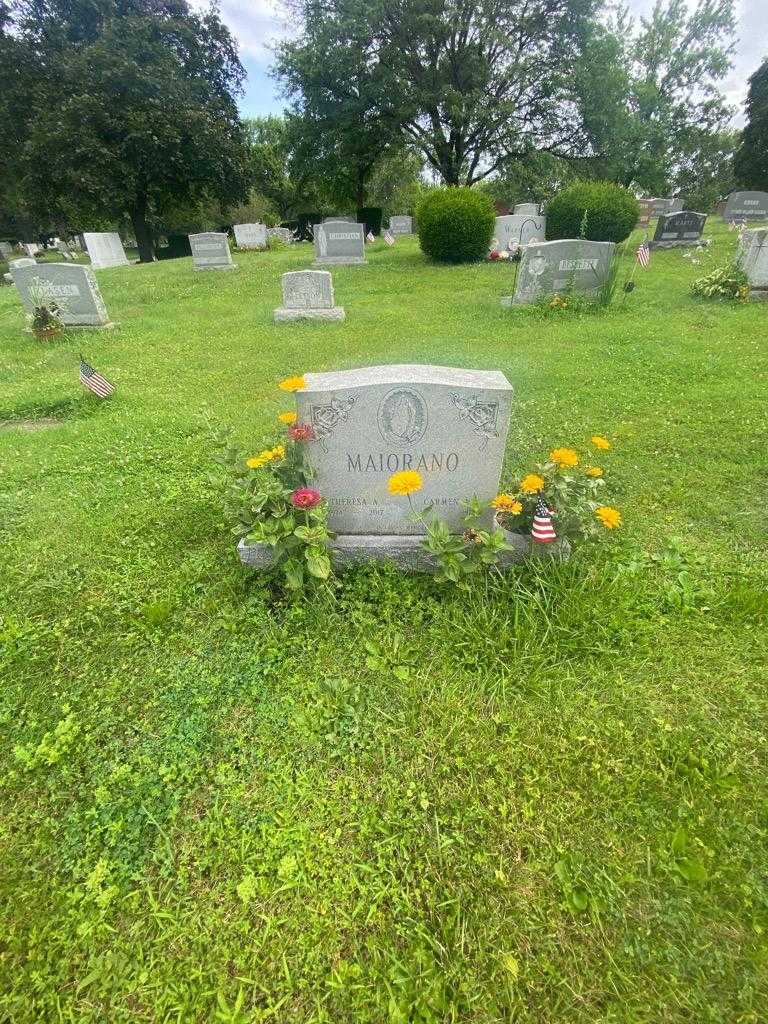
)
(678, 230)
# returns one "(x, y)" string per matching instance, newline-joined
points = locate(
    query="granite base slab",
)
(285, 316)
(681, 243)
(406, 552)
(229, 266)
(758, 294)
(339, 261)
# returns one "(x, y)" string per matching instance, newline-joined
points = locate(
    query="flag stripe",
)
(94, 381)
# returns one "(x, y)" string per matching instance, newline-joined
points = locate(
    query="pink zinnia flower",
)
(306, 497)
(301, 432)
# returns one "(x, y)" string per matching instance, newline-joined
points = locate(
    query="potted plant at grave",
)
(46, 321)
(560, 499)
(271, 500)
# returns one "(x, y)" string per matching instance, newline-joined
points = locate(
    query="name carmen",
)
(395, 461)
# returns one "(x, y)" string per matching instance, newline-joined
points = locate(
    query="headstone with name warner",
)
(105, 249)
(401, 225)
(678, 230)
(450, 425)
(308, 295)
(210, 251)
(565, 267)
(339, 243)
(746, 206)
(72, 287)
(519, 230)
(527, 209)
(250, 236)
(752, 257)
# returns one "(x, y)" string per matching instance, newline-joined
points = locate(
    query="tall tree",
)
(751, 160)
(131, 108)
(658, 98)
(472, 84)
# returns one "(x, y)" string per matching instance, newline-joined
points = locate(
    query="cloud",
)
(255, 24)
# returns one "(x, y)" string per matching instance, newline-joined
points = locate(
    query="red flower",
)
(494, 254)
(301, 432)
(306, 497)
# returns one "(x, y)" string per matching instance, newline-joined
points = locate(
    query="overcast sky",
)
(255, 26)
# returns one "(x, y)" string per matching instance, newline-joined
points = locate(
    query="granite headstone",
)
(519, 230)
(6, 250)
(746, 206)
(105, 249)
(752, 257)
(73, 288)
(401, 225)
(210, 251)
(526, 209)
(308, 295)
(339, 243)
(678, 230)
(565, 267)
(250, 236)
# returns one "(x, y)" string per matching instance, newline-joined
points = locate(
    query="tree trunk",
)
(138, 217)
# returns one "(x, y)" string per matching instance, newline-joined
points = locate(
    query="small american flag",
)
(644, 254)
(94, 381)
(389, 238)
(370, 237)
(542, 529)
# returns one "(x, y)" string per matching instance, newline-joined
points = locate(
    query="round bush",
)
(611, 212)
(455, 225)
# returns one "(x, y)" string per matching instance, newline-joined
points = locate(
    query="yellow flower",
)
(288, 417)
(609, 517)
(564, 457)
(292, 384)
(593, 471)
(532, 484)
(507, 503)
(256, 462)
(600, 442)
(406, 482)
(277, 452)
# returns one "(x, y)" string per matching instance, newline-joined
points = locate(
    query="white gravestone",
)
(565, 267)
(105, 249)
(6, 250)
(250, 236)
(25, 261)
(210, 251)
(30, 248)
(449, 425)
(526, 209)
(308, 295)
(72, 288)
(752, 257)
(401, 225)
(339, 243)
(678, 230)
(746, 206)
(517, 230)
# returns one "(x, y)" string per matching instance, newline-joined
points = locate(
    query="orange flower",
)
(600, 442)
(288, 417)
(609, 517)
(507, 503)
(564, 457)
(593, 471)
(532, 483)
(292, 384)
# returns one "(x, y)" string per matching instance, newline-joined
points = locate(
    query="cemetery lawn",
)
(544, 800)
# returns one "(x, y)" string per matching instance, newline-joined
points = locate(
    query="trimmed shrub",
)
(371, 217)
(597, 210)
(455, 225)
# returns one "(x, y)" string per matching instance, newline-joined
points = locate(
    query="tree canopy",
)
(129, 109)
(751, 161)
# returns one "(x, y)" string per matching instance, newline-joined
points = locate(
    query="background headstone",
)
(646, 212)
(565, 267)
(210, 251)
(30, 248)
(6, 250)
(752, 257)
(343, 219)
(308, 295)
(72, 287)
(450, 425)
(677, 230)
(519, 228)
(401, 225)
(250, 236)
(527, 209)
(675, 206)
(24, 261)
(105, 249)
(660, 206)
(746, 206)
(284, 234)
(339, 242)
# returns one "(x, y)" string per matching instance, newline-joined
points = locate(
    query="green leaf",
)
(318, 562)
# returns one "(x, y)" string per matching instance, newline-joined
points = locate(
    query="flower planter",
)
(47, 333)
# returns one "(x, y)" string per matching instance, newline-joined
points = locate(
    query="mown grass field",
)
(544, 800)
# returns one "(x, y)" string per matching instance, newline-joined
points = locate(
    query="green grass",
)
(540, 801)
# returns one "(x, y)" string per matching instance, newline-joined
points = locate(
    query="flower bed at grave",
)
(271, 502)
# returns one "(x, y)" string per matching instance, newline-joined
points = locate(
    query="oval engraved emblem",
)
(402, 417)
